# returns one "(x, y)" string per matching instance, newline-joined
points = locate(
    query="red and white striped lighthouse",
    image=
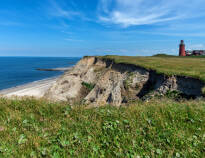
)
(182, 49)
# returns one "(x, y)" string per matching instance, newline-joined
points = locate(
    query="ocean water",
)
(15, 71)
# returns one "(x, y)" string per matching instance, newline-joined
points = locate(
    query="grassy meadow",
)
(169, 65)
(159, 128)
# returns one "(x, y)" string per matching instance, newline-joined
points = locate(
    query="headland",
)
(120, 80)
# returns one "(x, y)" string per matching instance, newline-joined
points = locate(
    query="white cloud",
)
(196, 47)
(59, 11)
(176, 34)
(73, 40)
(65, 10)
(141, 12)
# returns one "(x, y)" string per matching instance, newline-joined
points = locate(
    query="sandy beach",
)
(34, 89)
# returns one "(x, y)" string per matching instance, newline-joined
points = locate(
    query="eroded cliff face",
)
(97, 82)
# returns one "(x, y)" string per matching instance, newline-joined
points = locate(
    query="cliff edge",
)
(100, 81)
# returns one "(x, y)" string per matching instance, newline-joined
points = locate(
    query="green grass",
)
(164, 128)
(163, 55)
(89, 86)
(169, 65)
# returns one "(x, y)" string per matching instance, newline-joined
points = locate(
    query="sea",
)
(16, 71)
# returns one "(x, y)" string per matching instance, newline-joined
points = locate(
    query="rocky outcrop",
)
(96, 81)
(69, 86)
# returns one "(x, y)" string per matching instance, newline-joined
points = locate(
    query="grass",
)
(89, 86)
(159, 128)
(169, 65)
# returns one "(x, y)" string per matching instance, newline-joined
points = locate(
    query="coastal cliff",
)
(100, 81)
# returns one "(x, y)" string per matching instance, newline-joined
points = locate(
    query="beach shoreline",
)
(33, 89)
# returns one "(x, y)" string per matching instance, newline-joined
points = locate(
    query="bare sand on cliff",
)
(34, 89)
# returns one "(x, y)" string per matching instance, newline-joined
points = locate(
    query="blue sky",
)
(100, 27)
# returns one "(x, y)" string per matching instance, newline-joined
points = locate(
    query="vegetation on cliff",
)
(169, 65)
(99, 81)
(37, 128)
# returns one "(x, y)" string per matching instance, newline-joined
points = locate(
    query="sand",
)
(34, 89)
